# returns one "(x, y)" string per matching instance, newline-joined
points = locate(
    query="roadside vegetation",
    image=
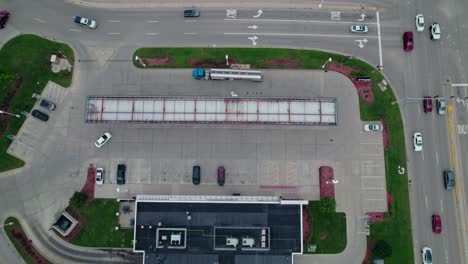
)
(24, 70)
(397, 230)
(98, 227)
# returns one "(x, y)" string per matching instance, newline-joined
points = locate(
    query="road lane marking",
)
(40, 20)
(295, 35)
(427, 205)
(114, 33)
(297, 21)
(76, 30)
(459, 84)
(190, 33)
(150, 33)
(113, 21)
(152, 21)
(437, 159)
(380, 39)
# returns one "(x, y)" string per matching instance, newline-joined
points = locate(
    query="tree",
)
(381, 249)
(327, 205)
(78, 199)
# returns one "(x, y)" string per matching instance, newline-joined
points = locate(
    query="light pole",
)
(227, 60)
(6, 113)
(325, 64)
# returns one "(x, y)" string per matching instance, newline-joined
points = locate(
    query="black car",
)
(40, 115)
(121, 174)
(47, 104)
(191, 13)
(4, 15)
(196, 175)
(449, 180)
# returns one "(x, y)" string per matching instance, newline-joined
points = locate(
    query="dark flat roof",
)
(210, 225)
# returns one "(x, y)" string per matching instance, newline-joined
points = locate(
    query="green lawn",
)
(332, 227)
(7, 228)
(99, 221)
(27, 57)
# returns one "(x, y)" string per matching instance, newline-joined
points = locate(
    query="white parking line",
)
(113, 21)
(441, 207)
(190, 21)
(296, 21)
(114, 33)
(380, 41)
(40, 20)
(295, 35)
(190, 33)
(437, 159)
(152, 21)
(76, 30)
(427, 205)
(150, 33)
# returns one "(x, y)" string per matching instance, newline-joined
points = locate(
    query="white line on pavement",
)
(373, 188)
(114, 21)
(152, 21)
(296, 35)
(76, 30)
(293, 20)
(427, 205)
(422, 154)
(437, 159)
(441, 207)
(40, 20)
(459, 84)
(372, 176)
(114, 33)
(150, 33)
(380, 39)
(190, 33)
(190, 21)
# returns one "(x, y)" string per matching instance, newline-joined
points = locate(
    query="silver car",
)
(103, 140)
(441, 106)
(359, 29)
(417, 141)
(419, 23)
(373, 127)
(99, 176)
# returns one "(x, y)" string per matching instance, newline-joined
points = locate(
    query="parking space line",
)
(76, 30)
(427, 204)
(114, 33)
(113, 21)
(373, 176)
(441, 207)
(372, 188)
(190, 33)
(152, 21)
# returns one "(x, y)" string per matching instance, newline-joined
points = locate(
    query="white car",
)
(373, 127)
(99, 176)
(419, 23)
(417, 141)
(441, 106)
(359, 29)
(103, 139)
(426, 255)
(435, 31)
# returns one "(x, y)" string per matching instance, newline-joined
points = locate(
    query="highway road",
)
(433, 69)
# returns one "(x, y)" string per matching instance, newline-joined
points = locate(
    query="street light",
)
(8, 224)
(325, 64)
(227, 60)
(6, 113)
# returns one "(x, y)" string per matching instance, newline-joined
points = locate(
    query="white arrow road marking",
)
(253, 39)
(460, 101)
(361, 41)
(253, 27)
(362, 17)
(40, 20)
(259, 13)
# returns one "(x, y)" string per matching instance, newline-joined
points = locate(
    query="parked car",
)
(103, 139)
(40, 115)
(435, 30)
(85, 22)
(191, 13)
(427, 104)
(417, 141)
(419, 23)
(47, 104)
(221, 176)
(441, 106)
(436, 224)
(408, 41)
(99, 176)
(449, 180)
(196, 175)
(426, 255)
(373, 127)
(359, 29)
(4, 15)
(121, 174)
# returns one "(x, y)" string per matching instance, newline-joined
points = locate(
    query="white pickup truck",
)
(85, 22)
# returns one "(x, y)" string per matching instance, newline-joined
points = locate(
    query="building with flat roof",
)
(173, 229)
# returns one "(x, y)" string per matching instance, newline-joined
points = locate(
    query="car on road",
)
(373, 127)
(121, 174)
(426, 253)
(427, 104)
(40, 115)
(408, 44)
(4, 15)
(417, 141)
(103, 139)
(436, 224)
(221, 177)
(435, 30)
(441, 106)
(191, 13)
(196, 175)
(449, 180)
(47, 104)
(85, 22)
(99, 176)
(359, 29)
(419, 23)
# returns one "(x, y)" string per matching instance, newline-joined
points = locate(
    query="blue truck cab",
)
(198, 73)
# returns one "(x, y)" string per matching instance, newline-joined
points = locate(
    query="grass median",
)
(26, 57)
(396, 232)
(99, 221)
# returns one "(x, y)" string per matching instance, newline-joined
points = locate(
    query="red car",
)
(427, 104)
(4, 15)
(436, 224)
(221, 176)
(408, 41)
